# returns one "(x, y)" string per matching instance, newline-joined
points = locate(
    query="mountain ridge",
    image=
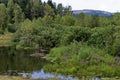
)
(92, 12)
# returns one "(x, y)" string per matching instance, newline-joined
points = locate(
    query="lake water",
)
(11, 59)
(14, 61)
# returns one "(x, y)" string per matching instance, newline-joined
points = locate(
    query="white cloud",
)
(107, 5)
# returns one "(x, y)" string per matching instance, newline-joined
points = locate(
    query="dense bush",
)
(81, 59)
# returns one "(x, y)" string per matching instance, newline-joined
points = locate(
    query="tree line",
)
(83, 44)
(36, 8)
(15, 11)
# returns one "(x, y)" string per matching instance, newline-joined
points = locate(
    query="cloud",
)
(107, 5)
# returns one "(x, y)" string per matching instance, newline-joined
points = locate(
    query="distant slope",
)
(92, 12)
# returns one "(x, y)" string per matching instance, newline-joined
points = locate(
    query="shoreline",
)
(6, 77)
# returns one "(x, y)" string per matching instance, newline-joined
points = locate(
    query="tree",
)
(60, 9)
(10, 10)
(95, 20)
(57, 19)
(67, 10)
(22, 3)
(104, 21)
(36, 9)
(18, 15)
(3, 16)
(24, 35)
(116, 18)
(27, 11)
(52, 5)
(87, 20)
(80, 19)
(47, 20)
(68, 20)
(48, 10)
(4, 1)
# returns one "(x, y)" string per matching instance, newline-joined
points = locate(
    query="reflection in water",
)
(11, 59)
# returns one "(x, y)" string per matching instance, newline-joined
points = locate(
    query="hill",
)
(92, 12)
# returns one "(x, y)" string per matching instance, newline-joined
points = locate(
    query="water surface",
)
(14, 62)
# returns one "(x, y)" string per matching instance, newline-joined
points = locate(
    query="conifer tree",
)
(3, 16)
(10, 11)
(60, 9)
(48, 11)
(18, 14)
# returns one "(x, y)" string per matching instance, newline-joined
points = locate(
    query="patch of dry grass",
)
(20, 78)
(11, 78)
(5, 40)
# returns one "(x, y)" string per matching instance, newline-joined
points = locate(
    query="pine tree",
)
(36, 9)
(48, 11)
(10, 10)
(27, 11)
(116, 18)
(67, 10)
(18, 14)
(3, 16)
(87, 20)
(95, 20)
(80, 19)
(60, 9)
(52, 5)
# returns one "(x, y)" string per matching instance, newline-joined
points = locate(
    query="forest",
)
(78, 45)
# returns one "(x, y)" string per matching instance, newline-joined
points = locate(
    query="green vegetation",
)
(81, 45)
(80, 59)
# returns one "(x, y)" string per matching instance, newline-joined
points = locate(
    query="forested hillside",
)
(79, 45)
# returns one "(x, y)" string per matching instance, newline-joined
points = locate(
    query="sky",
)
(106, 5)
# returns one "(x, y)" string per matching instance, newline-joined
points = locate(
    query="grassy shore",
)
(20, 78)
(11, 78)
(5, 40)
